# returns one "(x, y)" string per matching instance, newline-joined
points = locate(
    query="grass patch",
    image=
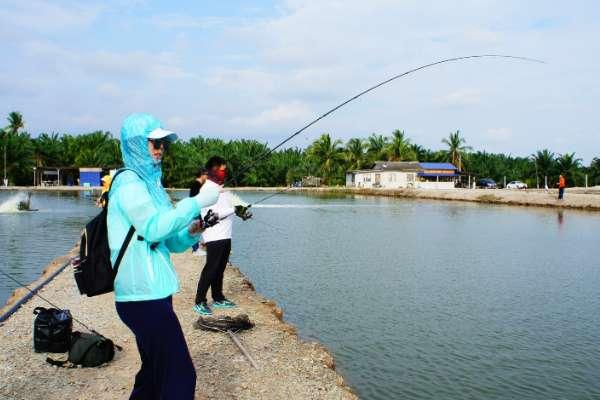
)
(489, 198)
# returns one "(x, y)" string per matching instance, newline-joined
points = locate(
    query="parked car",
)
(487, 183)
(516, 185)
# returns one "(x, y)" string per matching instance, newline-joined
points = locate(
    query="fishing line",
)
(342, 104)
(35, 293)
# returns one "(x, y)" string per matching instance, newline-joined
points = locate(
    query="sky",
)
(262, 69)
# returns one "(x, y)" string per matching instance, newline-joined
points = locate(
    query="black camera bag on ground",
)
(52, 330)
(87, 350)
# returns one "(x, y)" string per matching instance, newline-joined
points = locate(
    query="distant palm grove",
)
(326, 157)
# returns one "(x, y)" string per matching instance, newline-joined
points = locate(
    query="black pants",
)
(167, 369)
(561, 193)
(217, 256)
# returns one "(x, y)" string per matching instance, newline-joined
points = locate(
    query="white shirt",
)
(224, 207)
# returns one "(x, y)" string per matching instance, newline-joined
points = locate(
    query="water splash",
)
(11, 205)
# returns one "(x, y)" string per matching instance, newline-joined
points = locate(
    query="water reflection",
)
(561, 218)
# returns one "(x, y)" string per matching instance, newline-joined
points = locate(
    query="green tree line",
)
(325, 157)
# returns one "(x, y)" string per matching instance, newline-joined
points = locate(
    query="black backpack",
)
(87, 350)
(94, 274)
(52, 330)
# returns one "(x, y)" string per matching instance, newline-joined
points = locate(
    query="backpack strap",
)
(131, 228)
(58, 363)
(123, 249)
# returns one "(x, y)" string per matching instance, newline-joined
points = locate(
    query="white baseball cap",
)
(160, 133)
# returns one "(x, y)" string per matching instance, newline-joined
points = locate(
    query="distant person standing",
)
(218, 238)
(106, 180)
(199, 180)
(562, 184)
(201, 177)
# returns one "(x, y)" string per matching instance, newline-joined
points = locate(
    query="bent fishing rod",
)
(260, 158)
(351, 99)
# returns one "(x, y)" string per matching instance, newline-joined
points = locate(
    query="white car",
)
(516, 185)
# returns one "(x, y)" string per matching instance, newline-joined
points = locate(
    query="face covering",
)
(218, 176)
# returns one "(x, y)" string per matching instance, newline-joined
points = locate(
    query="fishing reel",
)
(210, 219)
(242, 212)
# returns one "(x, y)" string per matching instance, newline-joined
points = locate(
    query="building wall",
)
(383, 179)
(90, 177)
(435, 185)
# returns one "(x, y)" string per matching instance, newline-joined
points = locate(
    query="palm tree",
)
(421, 153)
(399, 149)
(355, 153)
(544, 163)
(328, 155)
(594, 171)
(376, 147)
(569, 167)
(456, 148)
(15, 122)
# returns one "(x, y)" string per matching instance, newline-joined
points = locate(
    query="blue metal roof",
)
(433, 175)
(436, 165)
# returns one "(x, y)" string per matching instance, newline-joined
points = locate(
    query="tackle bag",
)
(94, 274)
(52, 330)
(87, 350)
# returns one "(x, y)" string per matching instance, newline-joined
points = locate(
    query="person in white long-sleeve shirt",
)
(218, 239)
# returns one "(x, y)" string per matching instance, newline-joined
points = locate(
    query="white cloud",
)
(45, 16)
(257, 77)
(499, 134)
(183, 21)
(276, 116)
(109, 89)
(462, 97)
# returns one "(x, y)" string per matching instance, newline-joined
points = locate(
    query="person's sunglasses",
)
(158, 143)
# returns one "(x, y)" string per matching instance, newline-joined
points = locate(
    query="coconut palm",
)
(594, 171)
(544, 162)
(15, 122)
(328, 154)
(399, 149)
(456, 148)
(355, 153)
(376, 147)
(570, 167)
(420, 152)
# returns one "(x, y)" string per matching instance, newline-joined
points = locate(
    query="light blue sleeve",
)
(181, 241)
(149, 222)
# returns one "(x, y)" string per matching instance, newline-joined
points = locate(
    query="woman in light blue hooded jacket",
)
(146, 279)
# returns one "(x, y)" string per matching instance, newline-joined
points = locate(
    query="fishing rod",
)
(382, 83)
(35, 293)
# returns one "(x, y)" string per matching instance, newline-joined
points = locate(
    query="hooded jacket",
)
(138, 198)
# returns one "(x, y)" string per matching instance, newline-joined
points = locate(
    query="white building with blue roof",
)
(404, 174)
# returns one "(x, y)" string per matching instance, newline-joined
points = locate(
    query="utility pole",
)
(537, 178)
(5, 181)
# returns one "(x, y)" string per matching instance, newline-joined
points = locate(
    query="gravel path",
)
(288, 367)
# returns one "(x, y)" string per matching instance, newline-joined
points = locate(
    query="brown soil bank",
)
(577, 198)
(288, 367)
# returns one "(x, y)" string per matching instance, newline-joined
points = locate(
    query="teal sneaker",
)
(224, 304)
(203, 309)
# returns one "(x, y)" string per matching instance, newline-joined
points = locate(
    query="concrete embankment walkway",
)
(288, 367)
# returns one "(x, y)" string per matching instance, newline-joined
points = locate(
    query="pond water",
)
(416, 299)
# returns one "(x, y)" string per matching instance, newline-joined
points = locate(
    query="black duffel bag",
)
(87, 350)
(52, 330)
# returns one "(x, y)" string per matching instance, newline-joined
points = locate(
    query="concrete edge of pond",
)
(585, 199)
(288, 366)
(576, 198)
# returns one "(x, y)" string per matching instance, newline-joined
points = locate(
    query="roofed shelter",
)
(404, 174)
